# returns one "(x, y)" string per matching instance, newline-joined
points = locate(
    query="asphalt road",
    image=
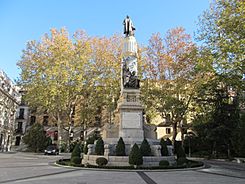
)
(29, 168)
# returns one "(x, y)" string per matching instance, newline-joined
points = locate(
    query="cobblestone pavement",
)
(29, 168)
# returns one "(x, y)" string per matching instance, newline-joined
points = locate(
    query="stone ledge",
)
(123, 160)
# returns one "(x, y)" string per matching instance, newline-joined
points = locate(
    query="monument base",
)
(130, 115)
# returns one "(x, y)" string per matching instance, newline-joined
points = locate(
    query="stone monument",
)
(129, 122)
(129, 106)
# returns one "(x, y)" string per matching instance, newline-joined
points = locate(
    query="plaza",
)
(30, 168)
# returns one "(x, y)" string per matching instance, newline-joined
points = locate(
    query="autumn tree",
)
(54, 74)
(100, 99)
(171, 76)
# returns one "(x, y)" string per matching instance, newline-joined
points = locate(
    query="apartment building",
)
(9, 101)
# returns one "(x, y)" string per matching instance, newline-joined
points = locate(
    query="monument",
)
(129, 123)
(129, 107)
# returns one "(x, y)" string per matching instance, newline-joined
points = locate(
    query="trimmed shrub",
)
(120, 148)
(182, 161)
(76, 151)
(180, 152)
(101, 161)
(164, 148)
(168, 142)
(90, 140)
(164, 163)
(99, 147)
(145, 148)
(135, 156)
(76, 160)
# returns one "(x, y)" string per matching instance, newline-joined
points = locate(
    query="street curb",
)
(129, 170)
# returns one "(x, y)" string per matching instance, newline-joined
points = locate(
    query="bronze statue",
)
(128, 27)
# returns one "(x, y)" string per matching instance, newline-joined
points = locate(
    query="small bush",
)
(182, 161)
(178, 149)
(145, 148)
(135, 156)
(90, 140)
(76, 151)
(99, 147)
(164, 148)
(76, 160)
(120, 148)
(168, 142)
(101, 161)
(164, 163)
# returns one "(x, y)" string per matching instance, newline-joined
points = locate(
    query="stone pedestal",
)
(130, 115)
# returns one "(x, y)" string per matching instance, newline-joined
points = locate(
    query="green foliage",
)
(216, 128)
(76, 151)
(135, 156)
(63, 147)
(101, 161)
(168, 142)
(182, 161)
(145, 148)
(76, 160)
(164, 148)
(238, 138)
(179, 150)
(90, 140)
(164, 163)
(221, 28)
(99, 147)
(35, 138)
(120, 148)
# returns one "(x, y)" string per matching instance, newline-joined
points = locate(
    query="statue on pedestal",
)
(128, 27)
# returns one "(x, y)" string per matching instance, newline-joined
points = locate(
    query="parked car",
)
(51, 150)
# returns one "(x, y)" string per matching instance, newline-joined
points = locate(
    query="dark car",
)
(51, 150)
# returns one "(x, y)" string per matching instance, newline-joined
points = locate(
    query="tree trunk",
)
(174, 125)
(59, 132)
(228, 151)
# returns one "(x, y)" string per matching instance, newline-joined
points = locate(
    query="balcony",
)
(20, 117)
(19, 131)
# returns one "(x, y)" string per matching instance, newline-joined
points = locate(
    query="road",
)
(29, 168)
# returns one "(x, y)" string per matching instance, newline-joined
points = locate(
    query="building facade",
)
(9, 101)
(22, 121)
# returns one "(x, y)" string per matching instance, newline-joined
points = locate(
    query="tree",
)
(221, 29)
(238, 137)
(35, 138)
(171, 77)
(53, 73)
(135, 156)
(217, 123)
(145, 148)
(120, 148)
(61, 74)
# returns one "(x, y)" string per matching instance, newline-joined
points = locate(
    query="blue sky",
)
(24, 20)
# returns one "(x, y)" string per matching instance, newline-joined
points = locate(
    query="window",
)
(17, 141)
(45, 120)
(20, 125)
(22, 112)
(33, 120)
(19, 128)
(168, 130)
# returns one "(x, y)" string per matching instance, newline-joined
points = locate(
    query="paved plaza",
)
(29, 168)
